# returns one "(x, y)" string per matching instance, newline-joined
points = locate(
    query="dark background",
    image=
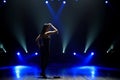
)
(11, 13)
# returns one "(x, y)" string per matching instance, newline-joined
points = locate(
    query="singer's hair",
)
(45, 26)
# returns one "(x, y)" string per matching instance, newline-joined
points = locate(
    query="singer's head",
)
(45, 28)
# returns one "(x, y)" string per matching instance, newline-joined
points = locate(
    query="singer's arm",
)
(55, 30)
(37, 40)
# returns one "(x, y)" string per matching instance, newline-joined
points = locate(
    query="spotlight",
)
(85, 51)
(36, 53)
(63, 51)
(107, 51)
(46, 2)
(92, 53)
(74, 53)
(18, 53)
(106, 1)
(26, 51)
(64, 2)
(4, 1)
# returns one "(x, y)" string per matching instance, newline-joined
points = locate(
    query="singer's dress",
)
(45, 53)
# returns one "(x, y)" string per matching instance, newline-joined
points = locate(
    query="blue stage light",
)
(46, 2)
(4, 1)
(36, 53)
(18, 53)
(74, 53)
(106, 1)
(92, 53)
(64, 2)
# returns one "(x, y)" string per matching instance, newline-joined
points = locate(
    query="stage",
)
(68, 72)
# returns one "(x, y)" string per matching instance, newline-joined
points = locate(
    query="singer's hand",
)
(50, 24)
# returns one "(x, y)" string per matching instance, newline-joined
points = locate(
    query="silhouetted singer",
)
(43, 42)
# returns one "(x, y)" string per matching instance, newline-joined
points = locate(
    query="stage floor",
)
(31, 72)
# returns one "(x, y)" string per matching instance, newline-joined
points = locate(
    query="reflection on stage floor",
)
(30, 72)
